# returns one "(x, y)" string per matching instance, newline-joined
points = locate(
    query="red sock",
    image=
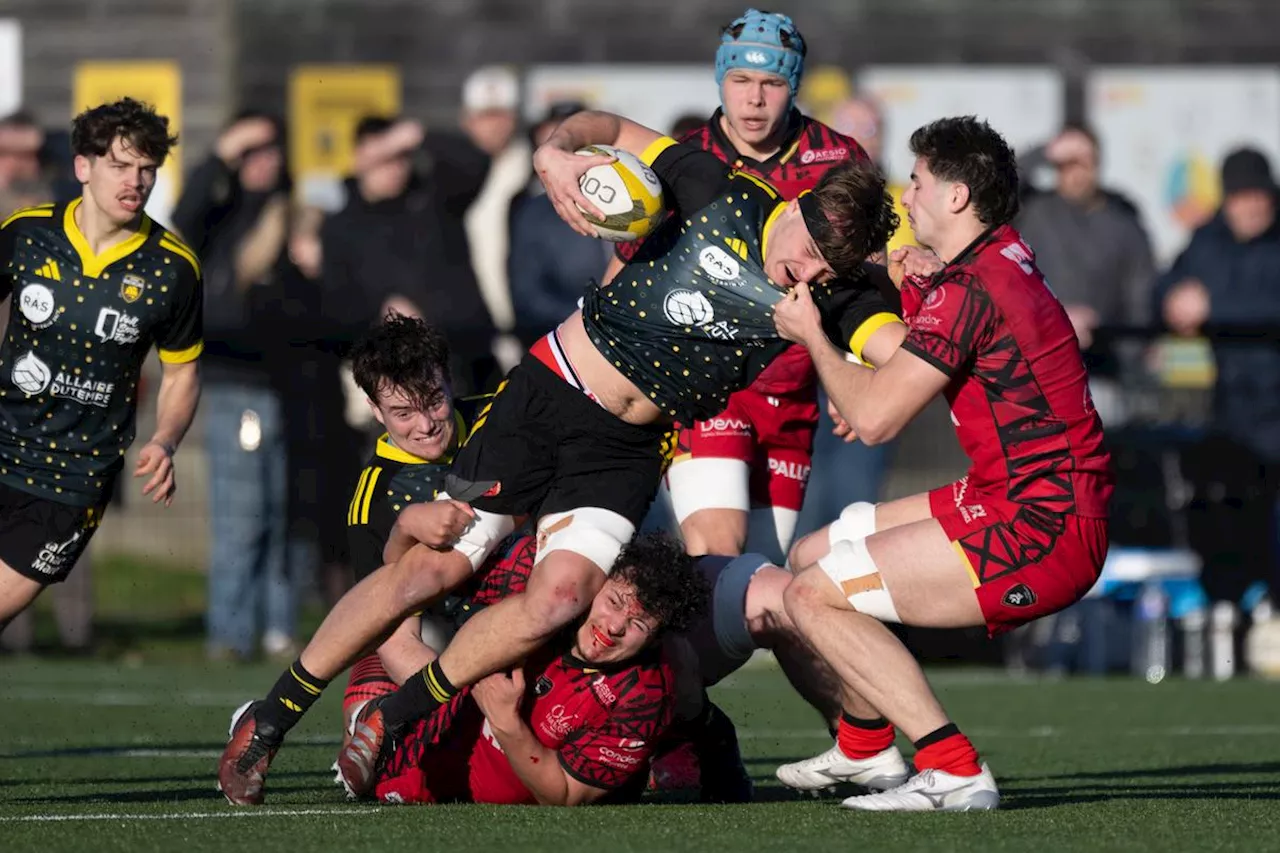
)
(368, 680)
(949, 751)
(863, 738)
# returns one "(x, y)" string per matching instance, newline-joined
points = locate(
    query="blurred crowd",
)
(451, 224)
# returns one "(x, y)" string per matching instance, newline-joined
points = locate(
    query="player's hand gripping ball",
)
(626, 191)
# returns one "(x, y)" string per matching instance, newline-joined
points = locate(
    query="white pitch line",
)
(58, 818)
(1047, 732)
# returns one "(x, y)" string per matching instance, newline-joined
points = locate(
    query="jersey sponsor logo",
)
(630, 743)
(30, 375)
(824, 155)
(959, 487)
(719, 264)
(117, 327)
(1019, 595)
(933, 298)
(924, 320)
(54, 557)
(1021, 255)
(790, 470)
(558, 722)
(542, 686)
(36, 304)
(732, 426)
(604, 692)
(688, 308)
(617, 759)
(970, 512)
(131, 287)
(84, 390)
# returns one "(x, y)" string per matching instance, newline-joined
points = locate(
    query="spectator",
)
(399, 243)
(1093, 252)
(1229, 275)
(550, 264)
(235, 213)
(490, 100)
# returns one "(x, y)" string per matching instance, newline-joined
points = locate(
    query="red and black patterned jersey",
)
(1020, 396)
(810, 148)
(602, 721)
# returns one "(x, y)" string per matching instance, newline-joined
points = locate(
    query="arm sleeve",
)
(691, 178)
(369, 522)
(460, 169)
(182, 339)
(610, 754)
(852, 311)
(954, 322)
(7, 240)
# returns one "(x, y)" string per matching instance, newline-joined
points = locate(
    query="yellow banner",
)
(156, 83)
(326, 102)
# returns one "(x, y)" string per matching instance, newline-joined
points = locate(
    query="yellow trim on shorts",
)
(964, 558)
(864, 332)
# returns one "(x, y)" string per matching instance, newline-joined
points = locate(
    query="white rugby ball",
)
(626, 191)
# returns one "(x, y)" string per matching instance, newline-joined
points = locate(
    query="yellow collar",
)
(768, 227)
(386, 450)
(93, 264)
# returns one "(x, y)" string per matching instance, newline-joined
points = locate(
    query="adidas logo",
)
(50, 270)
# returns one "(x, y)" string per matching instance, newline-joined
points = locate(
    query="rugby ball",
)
(626, 191)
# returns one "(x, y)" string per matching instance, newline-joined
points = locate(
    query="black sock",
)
(293, 693)
(417, 697)
(858, 723)
(936, 735)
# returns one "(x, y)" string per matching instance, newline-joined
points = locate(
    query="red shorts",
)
(1025, 562)
(772, 434)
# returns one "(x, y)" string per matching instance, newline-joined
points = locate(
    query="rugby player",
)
(1022, 535)
(579, 434)
(577, 721)
(95, 283)
(738, 479)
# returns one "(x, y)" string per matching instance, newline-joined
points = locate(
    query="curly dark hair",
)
(667, 582)
(147, 132)
(405, 353)
(856, 202)
(966, 150)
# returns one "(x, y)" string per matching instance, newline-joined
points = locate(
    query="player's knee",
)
(853, 577)
(856, 521)
(560, 590)
(766, 609)
(808, 550)
(805, 595)
(592, 533)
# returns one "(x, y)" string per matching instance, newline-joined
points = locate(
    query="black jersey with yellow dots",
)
(689, 320)
(80, 327)
(392, 479)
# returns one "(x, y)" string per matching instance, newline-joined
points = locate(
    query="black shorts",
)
(550, 448)
(42, 539)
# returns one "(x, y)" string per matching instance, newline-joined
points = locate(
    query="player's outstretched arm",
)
(499, 697)
(560, 169)
(175, 409)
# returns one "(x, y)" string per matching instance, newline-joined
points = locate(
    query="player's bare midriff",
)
(615, 392)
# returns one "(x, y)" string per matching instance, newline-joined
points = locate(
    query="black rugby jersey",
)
(79, 331)
(392, 479)
(689, 320)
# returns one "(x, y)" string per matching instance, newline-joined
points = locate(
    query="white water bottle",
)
(1151, 660)
(1222, 640)
(1193, 651)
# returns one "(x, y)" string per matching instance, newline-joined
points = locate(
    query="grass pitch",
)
(111, 756)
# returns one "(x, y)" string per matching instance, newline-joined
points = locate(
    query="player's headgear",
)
(762, 41)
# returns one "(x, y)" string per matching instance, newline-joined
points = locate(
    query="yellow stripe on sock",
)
(306, 685)
(437, 692)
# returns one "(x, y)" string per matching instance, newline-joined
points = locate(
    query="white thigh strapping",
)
(770, 530)
(591, 532)
(483, 534)
(708, 483)
(850, 567)
(856, 521)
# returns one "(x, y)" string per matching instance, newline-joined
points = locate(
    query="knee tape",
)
(591, 532)
(482, 535)
(850, 567)
(856, 521)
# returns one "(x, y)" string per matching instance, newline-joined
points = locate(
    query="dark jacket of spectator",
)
(1243, 282)
(549, 267)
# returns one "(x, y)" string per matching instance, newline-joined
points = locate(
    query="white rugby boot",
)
(880, 772)
(933, 791)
